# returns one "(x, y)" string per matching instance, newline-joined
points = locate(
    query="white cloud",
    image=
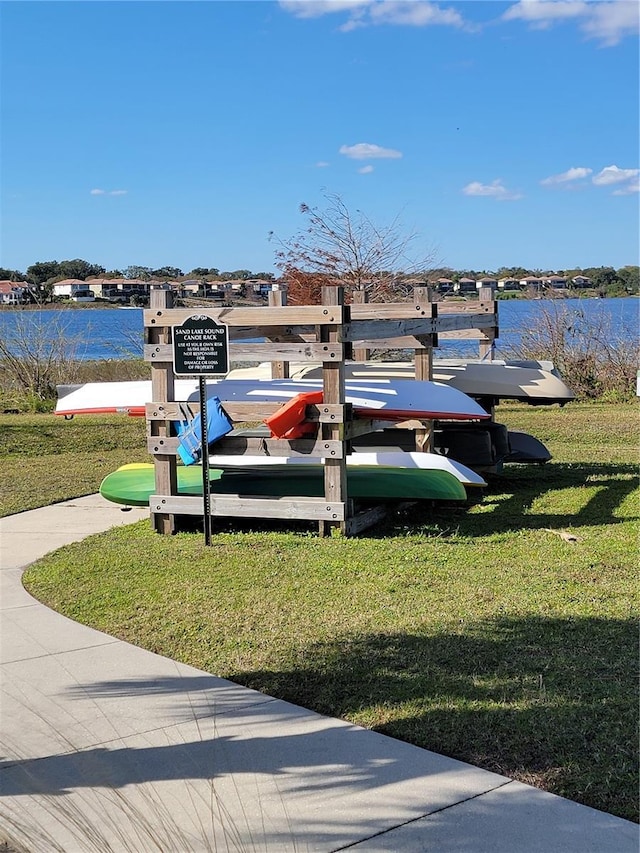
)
(625, 181)
(632, 187)
(408, 13)
(495, 189)
(573, 174)
(414, 14)
(109, 192)
(322, 164)
(609, 21)
(365, 170)
(318, 8)
(543, 13)
(367, 151)
(613, 175)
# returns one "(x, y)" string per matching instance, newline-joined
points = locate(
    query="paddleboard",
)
(533, 382)
(133, 486)
(401, 459)
(382, 398)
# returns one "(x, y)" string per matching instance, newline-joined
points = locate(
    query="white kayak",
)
(381, 398)
(388, 459)
(534, 382)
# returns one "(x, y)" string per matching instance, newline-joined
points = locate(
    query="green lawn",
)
(475, 631)
(46, 458)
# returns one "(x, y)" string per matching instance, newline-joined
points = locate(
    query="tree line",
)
(49, 272)
(335, 245)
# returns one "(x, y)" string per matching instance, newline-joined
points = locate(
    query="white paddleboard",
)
(400, 459)
(385, 399)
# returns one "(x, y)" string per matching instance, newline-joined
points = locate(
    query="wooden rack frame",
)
(328, 333)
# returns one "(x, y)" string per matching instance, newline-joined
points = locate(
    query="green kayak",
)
(134, 484)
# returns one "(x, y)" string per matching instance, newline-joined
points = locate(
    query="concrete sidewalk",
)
(106, 746)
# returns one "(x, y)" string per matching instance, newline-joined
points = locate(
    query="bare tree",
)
(38, 352)
(338, 247)
(593, 358)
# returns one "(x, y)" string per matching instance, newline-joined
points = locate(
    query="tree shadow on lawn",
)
(512, 494)
(551, 702)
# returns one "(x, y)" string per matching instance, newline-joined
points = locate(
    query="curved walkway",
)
(106, 746)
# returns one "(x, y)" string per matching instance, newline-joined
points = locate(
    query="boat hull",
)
(401, 459)
(531, 382)
(133, 485)
(383, 399)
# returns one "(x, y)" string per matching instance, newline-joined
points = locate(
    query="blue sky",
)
(182, 133)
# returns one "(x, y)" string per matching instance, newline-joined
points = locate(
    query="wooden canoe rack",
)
(328, 333)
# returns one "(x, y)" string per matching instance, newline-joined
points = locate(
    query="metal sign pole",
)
(201, 348)
(204, 443)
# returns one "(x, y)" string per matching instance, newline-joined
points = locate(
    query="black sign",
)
(200, 347)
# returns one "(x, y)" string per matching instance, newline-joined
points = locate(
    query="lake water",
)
(115, 333)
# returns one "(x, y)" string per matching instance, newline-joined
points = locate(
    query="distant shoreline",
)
(510, 296)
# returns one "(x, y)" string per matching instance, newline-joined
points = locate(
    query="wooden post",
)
(162, 391)
(335, 470)
(278, 298)
(487, 342)
(424, 367)
(360, 297)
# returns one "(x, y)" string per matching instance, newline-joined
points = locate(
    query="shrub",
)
(594, 359)
(38, 354)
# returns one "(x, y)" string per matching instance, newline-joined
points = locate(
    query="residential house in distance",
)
(257, 287)
(508, 284)
(118, 290)
(251, 288)
(465, 285)
(487, 281)
(192, 287)
(188, 287)
(443, 285)
(14, 292)
(74, 289)
(581, 281)
(555, 282)
(531, 282)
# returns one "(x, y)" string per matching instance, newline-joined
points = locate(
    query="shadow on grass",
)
(507, 501)
(550, 702)
(512, 495)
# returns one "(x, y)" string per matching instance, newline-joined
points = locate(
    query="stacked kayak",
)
(381, 398)
(132, 485)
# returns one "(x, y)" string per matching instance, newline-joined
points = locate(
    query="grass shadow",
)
(508, 499)
(509, 502)
(551, 702)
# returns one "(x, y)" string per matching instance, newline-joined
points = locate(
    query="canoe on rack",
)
(380, 398)
(132, 485)
(533, 382)
(387, 459)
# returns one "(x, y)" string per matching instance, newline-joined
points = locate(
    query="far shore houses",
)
(530, 283)
(14, 292)
(126, 291)
(121, 289)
